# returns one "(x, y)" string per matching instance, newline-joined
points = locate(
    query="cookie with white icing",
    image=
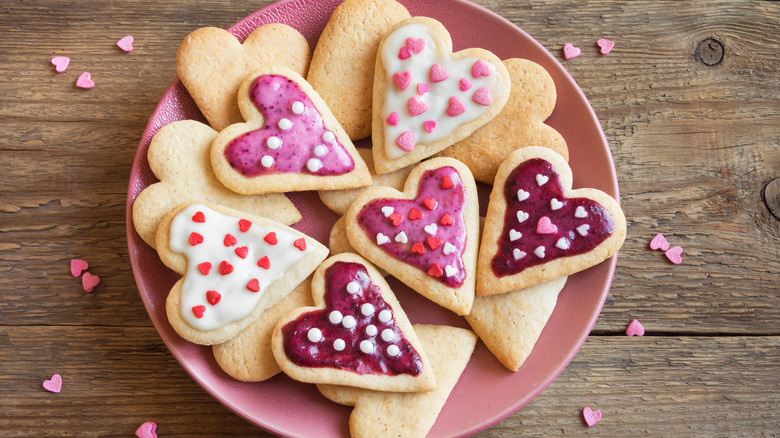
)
(289, 142)
(425, 97)
(234, 266)
(356, 334)
(538, 228)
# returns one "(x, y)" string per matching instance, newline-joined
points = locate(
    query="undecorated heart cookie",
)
(212, 63)
(520, 123)
(425, 97)
(355, 335)
(179, 156)
(234, 266)
(289, 142)
(427, 235)
(538, 228)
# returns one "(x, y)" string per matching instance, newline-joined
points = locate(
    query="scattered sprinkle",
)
(78, 266)
(591, 417)
(89, 281)
(85, 81)
(606, 45)
(54, 384)
(126, 43)
(147, 430)
(570, 52)
(60, 63)
(673, 254)
(659, 242)
(635, 329)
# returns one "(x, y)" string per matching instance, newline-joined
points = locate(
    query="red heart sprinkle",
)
(455, 107)
(264, 262)
(204, 268)
(213, 297)
(271, 239)
(396, 218)
(225, 268)
(229, 240)
(418, 248)
(429, 203)
(242, 251)
(447, 183)
(253, 285)
(195, 239)
(434, 242)
(89, 281)
(446, 220)
(199, 217)
(659, 242)
(415, 214)
(435, 270)
(198, 311)
(300, 244)
(591, 417)
(78, 266)
(402, 80)
(244, 225)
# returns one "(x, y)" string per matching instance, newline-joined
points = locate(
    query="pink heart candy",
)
(392, 119)
(455, 107)
(429, 125)
(404, 53)
(673, 254)
(482, 96)
(570, 52)
(415, 45)
(147, 430)
(480, 68)
(606, 45)
(635, 329)
(78, 266)
(545, 226)
(60, 63)
(464, 84)
(126, 43)
(416, 107)
(89, 281)
(591, 417)
(437, 73)
(402, 80)
(659, 241)
(405, 141)
(54, 384)
(422, 88)
(85, 81)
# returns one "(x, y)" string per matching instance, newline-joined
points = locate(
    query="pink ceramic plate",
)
(487, 392)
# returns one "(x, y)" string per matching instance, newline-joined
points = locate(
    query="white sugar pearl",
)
(366, 346)
(385, 315)
(328, 137)
(393, 350)
(335, 317)
(267, 161)
(371, 330)
(297, 107)
(314, 165)
(273, 142)
(367, 309)
(353, 287)
(339, 345)
(349, 322)
(320, 150)
(388, 335)
(314, 335)
(285, 124)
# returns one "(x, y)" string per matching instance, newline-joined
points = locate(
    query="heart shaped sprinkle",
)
(264, 262)
(85, 81)
(591, 417)
(415, 45)
(406, 141)
(570, 52)
(517, 254)
(199, 217)
(402, 80)
(635, 329)
(416, 107)
(480, 68)
(555, 204)
(242, 251)
(198, 311)
(674, 255)
(431, 229)
(89, 281)
(482, 96)
(514, 235)
(229, 240)
(542, 179)
(387, 210)
(78, 266)
(396, 219)
(392, 119)
(270, 238)
(213, 297)
(422, 88)
(253, 285)
(522, 195)
(455, 107)
(437, 73)
(381, 239)
(464, 84)
(401, 237)
(300, 244)
(659, 242)
(195, 239)
(404, 53)
(429, 125)
(415, 214)
(522, 216)
(244, 225)
(429, 203)
(54, 384)
(147, 430)
(433, 243)
(125, 43)
(225, 268)
(446, 220)
(204, 268)
(60, 63)
(606, 45)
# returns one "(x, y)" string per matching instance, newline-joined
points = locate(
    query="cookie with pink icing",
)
(234, 266)
(427, 235)
(289, 142)
(356, 334)
(426, 98)
(538, 228)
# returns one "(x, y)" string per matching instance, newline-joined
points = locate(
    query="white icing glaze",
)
(237, 301)
(439, 92)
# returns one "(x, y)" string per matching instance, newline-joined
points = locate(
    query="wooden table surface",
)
(690, 103)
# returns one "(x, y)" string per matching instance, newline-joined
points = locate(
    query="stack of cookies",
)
(283, 118)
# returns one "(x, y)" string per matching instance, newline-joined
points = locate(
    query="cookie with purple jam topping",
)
(356, 334)
(538, 228)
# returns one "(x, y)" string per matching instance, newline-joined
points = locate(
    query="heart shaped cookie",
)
(212, 63)
(538, 228)
(426, 236)
(290, 140)
(234, 267)
(356, 335)
(425, 97)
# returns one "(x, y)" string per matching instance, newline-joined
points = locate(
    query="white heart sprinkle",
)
(522, 195)
(387, 210)
(267, 161)
(517, 254)
(514, 235)
(539, 251)
(285, 124)
(555, 204)
(542, 179)
(273, 142)
(449, 248)
(401, 237)
(353, 287)
(582, 230)
(320, 150)
(580, 212)
(521, 216)
(562, 243)
(449, 271)
(381, 239)
(431, 229)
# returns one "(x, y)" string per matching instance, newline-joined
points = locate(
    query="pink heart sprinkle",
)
(545, 226)
(89, 281)
(147, 430)
(464, 84)
(606, 45)
(392, 119)
(85, 81)
(126, 43)
(429, 125)
(480, 68)
(635, 329)
(482, 96)
(78, 266)
(659, 241)
(404, 53)
(570, 52)
(54, 384)
(437, 73)
(402, 80)
(673, 254)
(405, 141)
(60, 63)
(422, 88)
(416, 107)
(455, 107)
(591, 417)
(415, 45)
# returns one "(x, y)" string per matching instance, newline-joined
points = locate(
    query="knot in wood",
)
(771, 195)
(710, 52)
